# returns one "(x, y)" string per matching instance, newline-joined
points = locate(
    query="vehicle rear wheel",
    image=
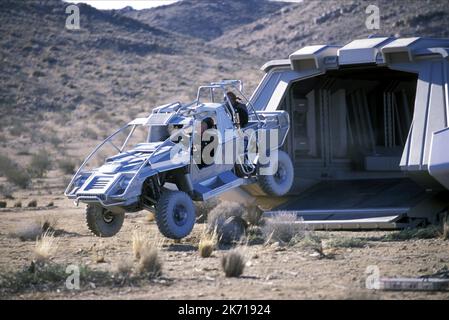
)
(279, 183)
(102, 222)
(175, 214)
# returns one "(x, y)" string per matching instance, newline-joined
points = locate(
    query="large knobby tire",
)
(103, 223)
(279, 183)
(175, 214)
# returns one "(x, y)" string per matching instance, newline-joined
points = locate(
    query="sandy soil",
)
(272, 272)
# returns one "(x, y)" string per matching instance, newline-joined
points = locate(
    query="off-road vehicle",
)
(164, 170)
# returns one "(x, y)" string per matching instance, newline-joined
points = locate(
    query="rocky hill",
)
(335, 22)
(205, 19)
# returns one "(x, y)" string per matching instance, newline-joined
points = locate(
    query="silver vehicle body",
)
(118, 183)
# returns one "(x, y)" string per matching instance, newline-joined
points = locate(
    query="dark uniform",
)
(239, 108)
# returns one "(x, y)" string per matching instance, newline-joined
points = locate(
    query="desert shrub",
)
(45, 247)
(149, 263)
(347, 243)
(223, 211)
(139, 242)
(18, 204)
(147, 254)
(429, 232)
(13, 172)
(207, 244)
(67, 166)
(233, 263)
(55, 140)
(3, 204)
(32, 204)
(204, 207)
(40, 164)
(89, 133)
(49, 276)
(283, 227)
(17, 129)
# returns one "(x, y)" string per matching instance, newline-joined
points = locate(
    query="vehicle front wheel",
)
(175, 214)
(102, 222)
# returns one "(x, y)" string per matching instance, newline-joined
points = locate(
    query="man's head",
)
(206, 123)
(232, 98)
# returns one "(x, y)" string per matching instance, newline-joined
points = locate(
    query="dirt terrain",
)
(272, 271)
(62, 91)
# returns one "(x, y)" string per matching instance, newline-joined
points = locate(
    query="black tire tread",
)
(92, 214)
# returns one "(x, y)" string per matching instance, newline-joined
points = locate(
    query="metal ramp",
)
(355, 204)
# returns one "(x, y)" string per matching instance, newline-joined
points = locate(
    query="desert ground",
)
(272, 271)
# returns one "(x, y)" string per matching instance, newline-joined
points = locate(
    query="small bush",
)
(207, 244)
(14, 173)
(2, 204)
(429, 232)
(139, 242)
(223, 211)
(18, 204)
(89, 133)
(45, 247)
(283, 227)
(67, 166)
(347, 243)
(49, 276)
(32, 204)
(149, 263)
(233, 263)
(40, 164)
(124, 269)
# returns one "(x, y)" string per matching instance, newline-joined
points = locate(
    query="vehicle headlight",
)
(124, 181)
(122, 184)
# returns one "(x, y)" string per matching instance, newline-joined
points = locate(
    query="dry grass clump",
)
(207, 244)
(140, 241)
(283, 227)
(45, 247)
(149, 263)
(233, 263)
(147, 254)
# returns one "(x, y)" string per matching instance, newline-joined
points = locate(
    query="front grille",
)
(99, 183)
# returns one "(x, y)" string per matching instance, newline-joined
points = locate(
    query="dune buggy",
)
(164, 168)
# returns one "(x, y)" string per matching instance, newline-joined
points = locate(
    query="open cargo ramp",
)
(362, 204)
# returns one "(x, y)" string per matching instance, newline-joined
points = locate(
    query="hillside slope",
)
(205, 19)
(335, 22)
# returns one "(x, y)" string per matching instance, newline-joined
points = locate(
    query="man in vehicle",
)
(239, 108)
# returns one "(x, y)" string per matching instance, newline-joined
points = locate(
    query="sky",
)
(135, 4)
